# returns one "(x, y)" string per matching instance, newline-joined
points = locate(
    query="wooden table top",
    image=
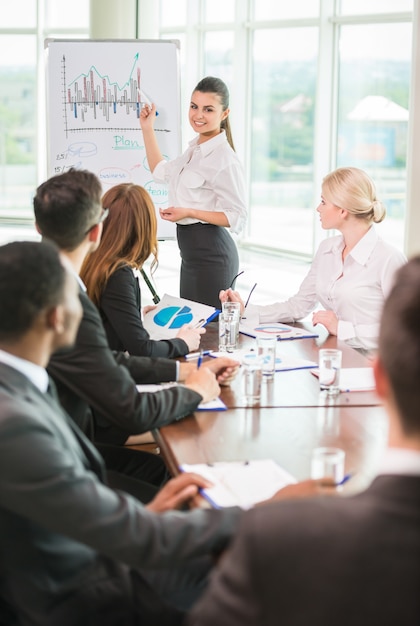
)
(297, 387)
(292, 419)
(287, 435)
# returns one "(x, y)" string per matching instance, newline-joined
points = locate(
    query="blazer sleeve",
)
(48, 487)
(107, 381)
(120, 308)
(233, 596)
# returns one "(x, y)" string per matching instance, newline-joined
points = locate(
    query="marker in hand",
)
(200, 360)
(144, 101)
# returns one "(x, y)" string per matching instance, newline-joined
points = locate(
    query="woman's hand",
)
(147, 117)
(327, 319)
(148, 308)
(174, 214)
(229, 295)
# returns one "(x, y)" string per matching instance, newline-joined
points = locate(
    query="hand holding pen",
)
(229, 295)
(147, 117)
(191, 335)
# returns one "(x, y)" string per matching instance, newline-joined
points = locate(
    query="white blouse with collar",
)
(354, 289)
(209, 177)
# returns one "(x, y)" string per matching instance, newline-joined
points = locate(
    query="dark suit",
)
(97, 389)
(120, 308)
(351, 561)
(67, 542)
(91, 375)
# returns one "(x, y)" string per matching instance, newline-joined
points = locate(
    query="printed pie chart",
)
(173, 316)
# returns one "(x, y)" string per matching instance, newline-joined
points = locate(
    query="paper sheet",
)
(214, 405)
(240, 483)
(355, 378)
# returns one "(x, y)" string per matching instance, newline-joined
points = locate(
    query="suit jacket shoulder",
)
(329, 561)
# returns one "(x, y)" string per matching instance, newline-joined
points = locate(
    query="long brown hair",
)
(129, 237)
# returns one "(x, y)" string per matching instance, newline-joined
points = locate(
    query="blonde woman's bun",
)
(378, 211)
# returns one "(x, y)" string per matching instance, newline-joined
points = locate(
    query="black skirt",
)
(210, 262)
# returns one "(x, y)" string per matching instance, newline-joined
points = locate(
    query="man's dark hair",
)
(399, 343)
(32, 279)
(66, 206)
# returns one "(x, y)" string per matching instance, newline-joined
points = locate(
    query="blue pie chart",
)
(173, 316)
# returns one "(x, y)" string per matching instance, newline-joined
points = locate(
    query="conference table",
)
(292, 418)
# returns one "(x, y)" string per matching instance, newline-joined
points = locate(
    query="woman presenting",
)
(206, 193)
(351, 273)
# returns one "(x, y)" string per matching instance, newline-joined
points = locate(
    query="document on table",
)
(355, 378)
(287, 363)
(213, 405)
(239, 483)
(280, 331)
(283, 363)
(165, 320)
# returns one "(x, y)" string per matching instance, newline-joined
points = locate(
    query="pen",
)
(250, 294)
(199, 323)
(196, 355)
(144, 102)
(200, 360)
(344, 480)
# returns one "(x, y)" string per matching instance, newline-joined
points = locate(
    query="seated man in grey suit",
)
(343, 561)
(90, 378)
(74, 552)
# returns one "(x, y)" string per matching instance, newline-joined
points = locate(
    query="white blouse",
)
(209, 177)
(354, 289)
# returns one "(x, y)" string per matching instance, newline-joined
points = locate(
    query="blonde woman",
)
(351, 273)
(129, 238)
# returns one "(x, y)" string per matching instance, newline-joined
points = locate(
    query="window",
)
(305, 98)
(18, 117)
(373, 100)
(282, 137)
(304, 78)
(22, 102)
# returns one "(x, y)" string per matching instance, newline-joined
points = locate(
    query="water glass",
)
(328, 463)
(229, 326)
(267, 351)
(252, 376)
(232, 307)
(329, 371)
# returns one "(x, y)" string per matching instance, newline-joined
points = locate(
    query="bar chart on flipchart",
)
(92, 99)
(95, 92)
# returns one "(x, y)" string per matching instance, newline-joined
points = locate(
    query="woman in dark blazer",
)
(111, 274)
